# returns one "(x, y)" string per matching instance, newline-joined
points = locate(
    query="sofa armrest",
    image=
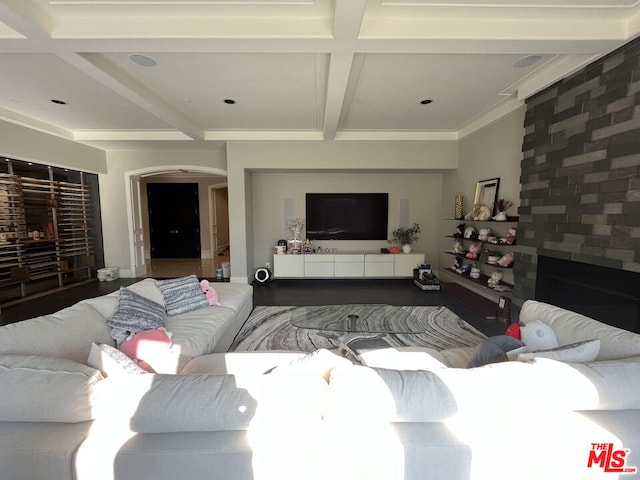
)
(570, 327)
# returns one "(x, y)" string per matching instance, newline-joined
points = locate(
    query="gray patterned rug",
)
(269, 328)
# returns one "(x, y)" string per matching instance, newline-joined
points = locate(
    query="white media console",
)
(346, 265)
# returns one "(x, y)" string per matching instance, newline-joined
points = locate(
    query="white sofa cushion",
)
(196, 333)
(64, 334)
(571, 327)
(403, 358)
(41, 451)
(240, 363)
(157, 403)
(233, 295)
(428, 396)
(381, 395)
(46, 389)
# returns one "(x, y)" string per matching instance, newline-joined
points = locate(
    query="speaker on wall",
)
(403, 216)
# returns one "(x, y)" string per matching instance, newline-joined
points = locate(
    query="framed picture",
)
(487, 193)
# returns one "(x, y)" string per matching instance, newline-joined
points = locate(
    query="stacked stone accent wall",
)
(580, 195)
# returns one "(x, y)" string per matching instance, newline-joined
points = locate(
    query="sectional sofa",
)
(387, 414)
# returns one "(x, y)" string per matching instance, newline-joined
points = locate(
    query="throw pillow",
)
(111, 361)
(136, 313)
(579, 352)
(182, 295)
(46, 389)
(493, 350)
(538, 335)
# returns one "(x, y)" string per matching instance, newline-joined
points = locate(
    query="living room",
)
(417, 99)
(443, 151)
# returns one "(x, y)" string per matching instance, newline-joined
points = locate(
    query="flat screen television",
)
(347, 216)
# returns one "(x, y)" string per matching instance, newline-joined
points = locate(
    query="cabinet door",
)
(406, 262)
(378, 265)
(288, 266)
(349, 265)
(320, 265)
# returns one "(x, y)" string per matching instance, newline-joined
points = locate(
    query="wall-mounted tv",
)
(347, 216)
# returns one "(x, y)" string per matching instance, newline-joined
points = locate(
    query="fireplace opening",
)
(609, 295)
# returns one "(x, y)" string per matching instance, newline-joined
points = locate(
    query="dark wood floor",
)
(285, 292)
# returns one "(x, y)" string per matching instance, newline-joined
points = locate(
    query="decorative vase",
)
(406, 248)
(500, 217)
(459, 214)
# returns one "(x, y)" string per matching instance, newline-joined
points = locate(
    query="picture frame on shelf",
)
(487, 193)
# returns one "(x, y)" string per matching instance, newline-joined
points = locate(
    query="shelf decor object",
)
(459, 209)
(406, 236)
(502, 207)
(487, 193)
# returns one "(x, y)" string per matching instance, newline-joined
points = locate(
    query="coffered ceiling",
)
(296, 69)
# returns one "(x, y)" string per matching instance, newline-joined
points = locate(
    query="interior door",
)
(174, 220)
(220, 223)
(139, 267)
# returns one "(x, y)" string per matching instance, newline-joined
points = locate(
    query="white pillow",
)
(46, 389)
(111, 361)
(579, 352)
(538, 335)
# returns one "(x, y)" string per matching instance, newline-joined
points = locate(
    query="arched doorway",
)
(138, 222)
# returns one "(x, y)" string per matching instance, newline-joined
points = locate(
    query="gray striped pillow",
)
(136, 313)
(182, 295)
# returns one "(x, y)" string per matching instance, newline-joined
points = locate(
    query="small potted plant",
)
(406, 236)
(502, 205)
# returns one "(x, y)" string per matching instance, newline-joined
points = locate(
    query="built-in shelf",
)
(510, 219)
(44, 232)
(463, 257)
(482, 281)
(480, 285)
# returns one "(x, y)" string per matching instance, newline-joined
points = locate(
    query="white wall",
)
(25, 144)
(494, 151)
(270, 190)
(114, 189)
(410, 169)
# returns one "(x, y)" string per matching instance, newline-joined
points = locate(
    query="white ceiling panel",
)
(30, 81)
(271, 91)
(296, 69)
(180, 8)
(457, 85)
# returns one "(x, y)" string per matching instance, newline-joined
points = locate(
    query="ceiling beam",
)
(113, 77)
(26, 18)
(348, 16)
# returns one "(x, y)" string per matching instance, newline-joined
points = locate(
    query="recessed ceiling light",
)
(229, 101)
(526, 61)
(58, 102)
(143, 60)
(426, 101)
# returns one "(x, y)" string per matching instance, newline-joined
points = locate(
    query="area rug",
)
(269, 328)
